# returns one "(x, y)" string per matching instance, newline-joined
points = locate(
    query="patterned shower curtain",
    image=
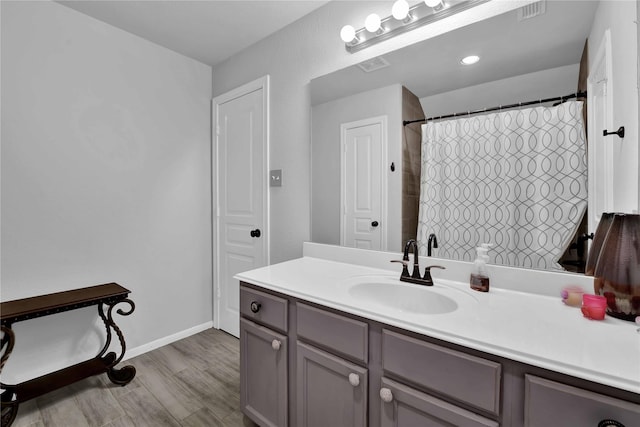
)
(515, 178)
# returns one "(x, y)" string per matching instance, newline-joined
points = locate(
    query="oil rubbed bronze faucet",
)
(432, 243)
(415, 274)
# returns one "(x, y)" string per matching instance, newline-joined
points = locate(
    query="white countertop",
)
(535, 329)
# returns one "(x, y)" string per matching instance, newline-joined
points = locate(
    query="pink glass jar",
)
(593, 306)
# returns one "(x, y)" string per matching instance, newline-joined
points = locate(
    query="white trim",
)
(344, 127)
(602, 62)
(264, 84)
(137, 351)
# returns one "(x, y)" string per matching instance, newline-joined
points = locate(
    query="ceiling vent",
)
(531, 10)
(373, 64)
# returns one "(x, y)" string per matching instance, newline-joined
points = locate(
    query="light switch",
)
(275, 179)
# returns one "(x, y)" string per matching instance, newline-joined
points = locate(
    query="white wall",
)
(306, 49)
(325, 160)
(105, 177)
(619, 17)
(527, 87)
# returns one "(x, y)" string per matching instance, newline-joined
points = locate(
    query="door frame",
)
(602, 63)
(260, 83)
(344, 127)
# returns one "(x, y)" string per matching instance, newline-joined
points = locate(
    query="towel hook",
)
(619, 132)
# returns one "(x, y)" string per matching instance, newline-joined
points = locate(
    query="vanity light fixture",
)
(470, 60)
(402, 20)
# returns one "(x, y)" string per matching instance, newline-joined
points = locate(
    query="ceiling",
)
(209, 31)
(507, 46)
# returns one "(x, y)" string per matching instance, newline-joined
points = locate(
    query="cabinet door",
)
(263, 374)
(403, 406)
(330, 390)
(550, 403)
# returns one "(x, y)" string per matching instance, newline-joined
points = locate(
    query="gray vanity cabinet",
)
(330, 390)
(404, 406)
(264, 359)
(306, 365)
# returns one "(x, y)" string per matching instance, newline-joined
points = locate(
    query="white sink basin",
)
(403, 297)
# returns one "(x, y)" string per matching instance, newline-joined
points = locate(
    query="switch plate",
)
(275, 178)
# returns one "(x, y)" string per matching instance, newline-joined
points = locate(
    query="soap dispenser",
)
(479, 280)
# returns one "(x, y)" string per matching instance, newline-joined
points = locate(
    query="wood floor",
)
(192, 382)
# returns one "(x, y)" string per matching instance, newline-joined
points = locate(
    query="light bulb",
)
(372, 23)
(435, 4)
(471, 59)
(400, 9)
(347, 34)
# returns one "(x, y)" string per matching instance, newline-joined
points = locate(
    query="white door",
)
(241, 230)
(363, 184)
(600, 117)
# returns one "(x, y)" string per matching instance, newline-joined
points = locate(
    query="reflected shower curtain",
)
(515, 178)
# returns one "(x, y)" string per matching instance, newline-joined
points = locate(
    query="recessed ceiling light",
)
(468, 60)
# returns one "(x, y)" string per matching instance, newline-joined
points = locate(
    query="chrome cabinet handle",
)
(386, 395)
(354, 379)
(275, 344)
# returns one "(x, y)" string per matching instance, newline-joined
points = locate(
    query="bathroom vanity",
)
(317, 349)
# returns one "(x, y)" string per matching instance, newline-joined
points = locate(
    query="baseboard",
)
(137, 351)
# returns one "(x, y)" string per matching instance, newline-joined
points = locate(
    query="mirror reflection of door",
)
(600, 147)
(363, 186)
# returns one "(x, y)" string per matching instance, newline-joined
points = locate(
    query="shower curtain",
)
(516, 179)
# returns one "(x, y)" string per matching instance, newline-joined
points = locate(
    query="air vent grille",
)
(531, 10)
(373, 64)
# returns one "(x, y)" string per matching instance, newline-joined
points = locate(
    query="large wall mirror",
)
(363, 156)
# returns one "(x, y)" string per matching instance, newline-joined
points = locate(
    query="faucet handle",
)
(405, 269)
(427, 274)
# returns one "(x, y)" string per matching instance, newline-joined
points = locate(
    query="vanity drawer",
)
(263, 308)
(349, 337)
(551, 403)
(467, 378)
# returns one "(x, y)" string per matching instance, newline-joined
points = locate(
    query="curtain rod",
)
(501, 107)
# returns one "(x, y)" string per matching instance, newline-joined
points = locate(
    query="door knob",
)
(275, 344)
(255, 233)
(375, 224)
